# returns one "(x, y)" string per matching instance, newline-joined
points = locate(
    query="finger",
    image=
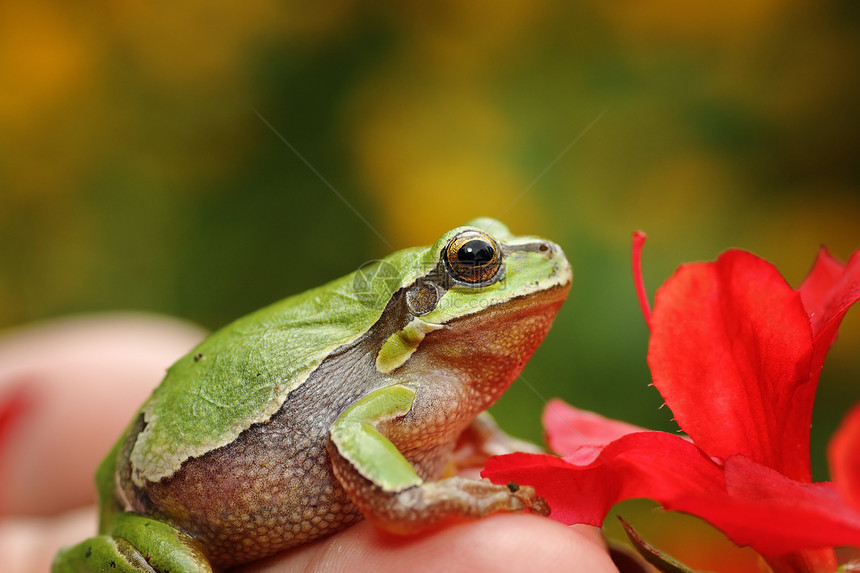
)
(28, 545)
(75, 385)
(504, 542)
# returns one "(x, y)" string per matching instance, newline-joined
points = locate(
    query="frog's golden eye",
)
(473, 258)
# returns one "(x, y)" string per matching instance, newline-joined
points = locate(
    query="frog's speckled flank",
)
(306, 416)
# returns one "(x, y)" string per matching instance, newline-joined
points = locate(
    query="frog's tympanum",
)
(349, 400)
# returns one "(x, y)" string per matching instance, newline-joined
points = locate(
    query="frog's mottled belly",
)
(273, 487)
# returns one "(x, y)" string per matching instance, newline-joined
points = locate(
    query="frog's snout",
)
(561, 266)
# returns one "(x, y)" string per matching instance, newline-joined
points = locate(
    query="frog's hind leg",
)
(482, 440)
(388, 490)
(102, 553)
(137, 544)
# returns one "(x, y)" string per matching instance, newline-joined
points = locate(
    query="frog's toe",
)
(534, 502)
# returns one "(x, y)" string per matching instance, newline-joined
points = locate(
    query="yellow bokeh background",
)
(138, 169)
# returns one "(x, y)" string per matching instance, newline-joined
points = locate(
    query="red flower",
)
(844, 454)
(736, 354)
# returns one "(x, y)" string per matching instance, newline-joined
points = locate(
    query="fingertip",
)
(503, 542)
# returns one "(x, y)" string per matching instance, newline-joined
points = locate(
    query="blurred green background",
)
(136, 171)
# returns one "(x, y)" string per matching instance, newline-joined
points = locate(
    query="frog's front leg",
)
(136, 544)
(388, 490)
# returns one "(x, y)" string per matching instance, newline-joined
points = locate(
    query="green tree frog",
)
(349, 400)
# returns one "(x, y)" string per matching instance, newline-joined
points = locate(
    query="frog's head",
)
(480, 300)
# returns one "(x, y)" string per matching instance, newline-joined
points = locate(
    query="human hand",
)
(67, 389)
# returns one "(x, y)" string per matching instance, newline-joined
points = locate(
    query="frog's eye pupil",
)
(476, 253)
(473, 258)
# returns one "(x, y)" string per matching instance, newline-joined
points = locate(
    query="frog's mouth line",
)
(527, 302)
(533, 312)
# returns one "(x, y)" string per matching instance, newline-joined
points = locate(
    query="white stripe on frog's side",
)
(403, 344)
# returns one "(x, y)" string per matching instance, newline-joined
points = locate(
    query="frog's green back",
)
(241, 374)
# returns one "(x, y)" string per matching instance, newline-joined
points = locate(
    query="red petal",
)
(730, 352)
(844, 456)
(812, 560)
(777, 515)
(828, 292)
(750, 503)
(657, 465)
(818, 286)
(571, 431)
